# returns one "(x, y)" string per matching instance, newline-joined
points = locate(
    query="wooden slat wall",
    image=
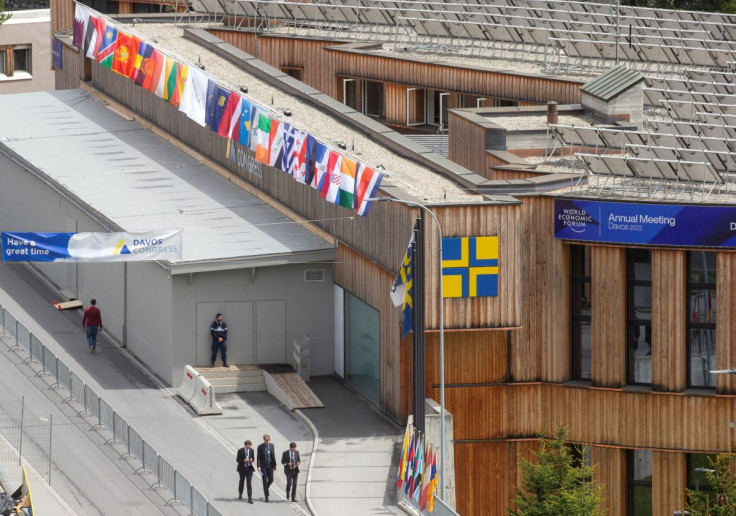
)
(611, 474)
(323, 60)
(465, 134)
(543, 289)
(372, 284)
(503, 310)
(486, 475)
(669, 481)
(608, 316)
(669, 315)
(615, 417)
(395, 98)
(62, 15)
(726, 322)
(471, 357)
(73, 69)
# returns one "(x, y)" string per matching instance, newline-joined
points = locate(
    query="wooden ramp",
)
(296, 391)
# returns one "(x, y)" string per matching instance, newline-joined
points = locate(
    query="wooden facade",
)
(326, 62)
(508, 358)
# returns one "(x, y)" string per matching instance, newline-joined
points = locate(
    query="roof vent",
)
(314, 275)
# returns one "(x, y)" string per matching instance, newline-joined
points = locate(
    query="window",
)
(639, 485)
(22, 58)
(294, 71)
(580, 331)
(15, 61)
(701, 318)
(697, 464)
(362, 347)
(639, 314)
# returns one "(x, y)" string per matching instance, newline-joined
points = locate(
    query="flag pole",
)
(442, 330)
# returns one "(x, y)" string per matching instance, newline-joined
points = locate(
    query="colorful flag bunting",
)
(331, 186)
(275, 143)
(141, 63)
(246, 117)
(416, 481)
(260, 135)
(346, 194)
(126, 51)
(216, 103)
(194, 98)
(321, 160)
(182, 72)
(402, 460)
(232, 108)
(287, 148)
(432, 483)
(155, 68)
(107, 46)
(303, 150)
(81, 16)
(366, 186)
(93, 36)
(410, 462)
(424, 490)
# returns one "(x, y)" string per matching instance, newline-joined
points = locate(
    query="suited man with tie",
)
(266, 460)
(245, 459)
(290, 460)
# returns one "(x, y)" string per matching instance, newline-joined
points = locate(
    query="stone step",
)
(223, 380)
(239, 387)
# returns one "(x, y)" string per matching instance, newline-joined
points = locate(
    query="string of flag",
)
(338, 178)
(417, 474)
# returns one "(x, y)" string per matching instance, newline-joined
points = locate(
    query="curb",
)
(315, 446)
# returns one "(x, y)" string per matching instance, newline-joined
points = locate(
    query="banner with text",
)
(92, 247)
(641, 223)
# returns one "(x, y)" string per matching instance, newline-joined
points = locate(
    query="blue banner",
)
(56, 54)
(639, 223)
(92, 247)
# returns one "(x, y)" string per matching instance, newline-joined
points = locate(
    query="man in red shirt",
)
(92, 323)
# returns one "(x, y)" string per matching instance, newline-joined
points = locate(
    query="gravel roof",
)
(415, 179)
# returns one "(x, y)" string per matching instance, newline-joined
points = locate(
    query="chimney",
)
(551, 112)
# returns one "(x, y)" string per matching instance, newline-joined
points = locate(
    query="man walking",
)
(92, 324)
(290, 460)
(245, 460)
(266, 463)
(218, 330)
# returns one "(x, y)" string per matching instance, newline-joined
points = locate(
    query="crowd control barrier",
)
(188, 384)
(203, 401)
(92, 406)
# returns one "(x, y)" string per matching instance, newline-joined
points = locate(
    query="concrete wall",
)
(29, 28)
(252, 304)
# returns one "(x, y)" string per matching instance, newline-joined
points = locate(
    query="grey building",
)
(70, 164)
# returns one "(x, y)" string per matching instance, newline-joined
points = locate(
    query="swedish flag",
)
(470, 267)
(402, 292)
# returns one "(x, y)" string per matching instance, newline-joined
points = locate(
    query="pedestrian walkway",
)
(356, 448)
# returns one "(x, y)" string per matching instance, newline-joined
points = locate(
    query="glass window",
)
(22, 59)
(580, 331)
(639, 313)
(697, 464)
(639, 485)
(362, 347)
(701, 318)
(2, 61)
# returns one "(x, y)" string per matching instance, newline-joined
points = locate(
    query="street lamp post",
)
(442, 333)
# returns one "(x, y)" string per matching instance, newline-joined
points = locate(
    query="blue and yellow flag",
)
(470, 267)
(402, 293)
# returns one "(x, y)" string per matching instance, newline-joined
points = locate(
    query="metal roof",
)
(612, 83)
(137, 181)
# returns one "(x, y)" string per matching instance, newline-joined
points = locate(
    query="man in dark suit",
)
(245, 459)
(266, 462)
(290, 460)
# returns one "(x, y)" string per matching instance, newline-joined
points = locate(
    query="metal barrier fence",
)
(29, 438)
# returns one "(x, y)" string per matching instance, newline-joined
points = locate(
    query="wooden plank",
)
(68, 305)
(298, 392)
